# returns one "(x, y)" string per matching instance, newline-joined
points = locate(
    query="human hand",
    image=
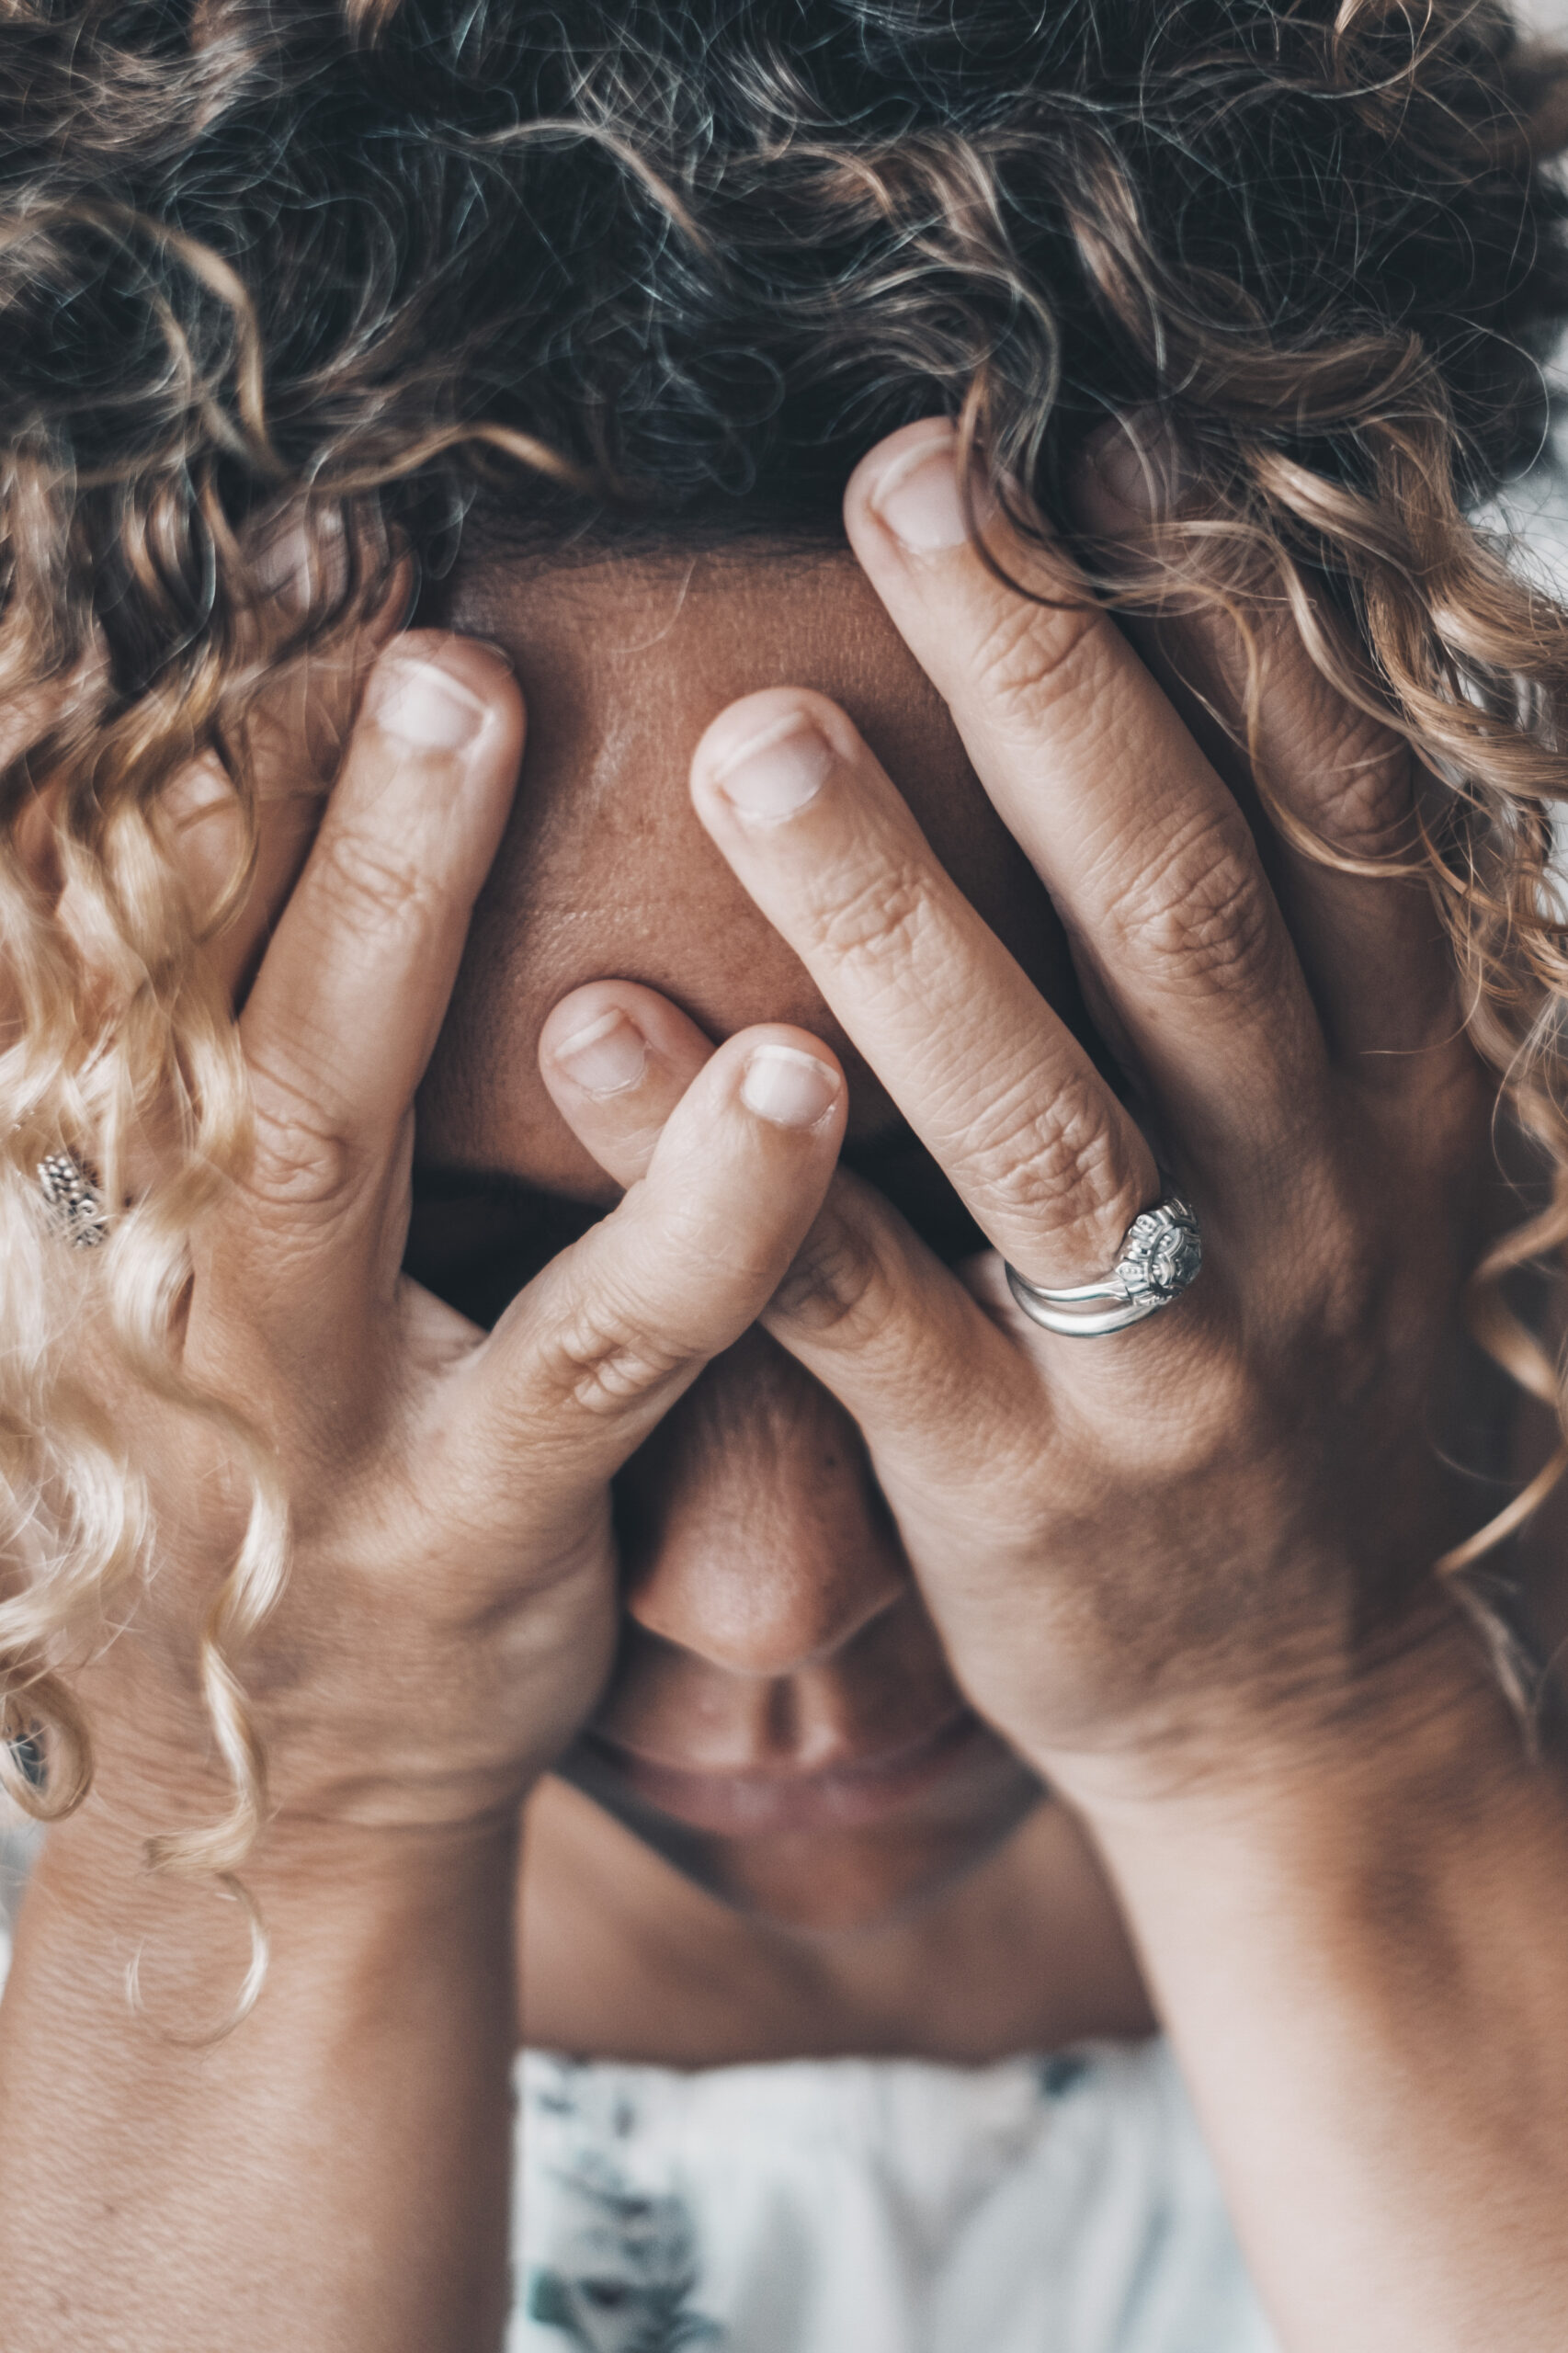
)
(449, 1613)
(1207, 1537)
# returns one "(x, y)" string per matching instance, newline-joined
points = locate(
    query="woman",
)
(883, 946)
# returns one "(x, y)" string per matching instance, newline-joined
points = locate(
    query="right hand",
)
(449, 1611)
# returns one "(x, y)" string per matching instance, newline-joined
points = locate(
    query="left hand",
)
(1211, 1536)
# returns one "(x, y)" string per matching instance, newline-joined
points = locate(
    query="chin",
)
(830, 1880)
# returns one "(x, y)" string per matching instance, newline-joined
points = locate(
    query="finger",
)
(1376, 958)
(616, 1058)
(1374, 952)
(346, 1007)
(205, 830)
(1004, 1097)
(294, 738)
(947, 1387)
(1146, 855)
(595, 1352)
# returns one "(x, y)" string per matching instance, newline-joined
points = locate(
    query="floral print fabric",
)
(1063, 2205)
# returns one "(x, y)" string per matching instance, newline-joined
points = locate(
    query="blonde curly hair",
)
(631, 273)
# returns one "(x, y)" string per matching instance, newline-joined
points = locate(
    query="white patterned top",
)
(1059, 2205)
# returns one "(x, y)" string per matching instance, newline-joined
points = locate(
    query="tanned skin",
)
(766, 998)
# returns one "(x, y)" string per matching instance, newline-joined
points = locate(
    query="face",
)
(781, 1723)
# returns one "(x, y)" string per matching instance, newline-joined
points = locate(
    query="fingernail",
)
(1138, 465)
(793, 1090)
(919, 500)
(493, 645)
(425, 706)
(607, 1057)
(303, 557)
(777, 773)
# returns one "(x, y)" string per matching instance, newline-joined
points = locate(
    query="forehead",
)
(605, 872)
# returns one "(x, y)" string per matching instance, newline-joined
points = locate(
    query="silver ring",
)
(1161, 1253)
(74, 1202)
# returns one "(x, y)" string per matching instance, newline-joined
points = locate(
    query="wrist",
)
(1356, 1942)
(337, 2156)
(336, 1891)
(341, 1761)
(1409, 1725)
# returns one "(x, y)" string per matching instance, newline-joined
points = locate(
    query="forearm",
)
(334, 2173)
(1363, 1967)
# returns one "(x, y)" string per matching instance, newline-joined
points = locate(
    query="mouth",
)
(781, 1798)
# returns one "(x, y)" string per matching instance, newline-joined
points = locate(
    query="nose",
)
(752, 1532)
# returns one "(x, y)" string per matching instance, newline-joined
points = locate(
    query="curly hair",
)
(626, 272)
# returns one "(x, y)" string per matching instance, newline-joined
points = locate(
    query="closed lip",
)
(778, 1798)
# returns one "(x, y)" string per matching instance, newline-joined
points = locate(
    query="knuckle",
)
(1200, 907)
(879, 922)
(297, 1157)
(603, 1356)
(372, 890)
(1062, 1166)
(1360, 800)
(1058, 1171)
(836, 1284)
(1033, 657)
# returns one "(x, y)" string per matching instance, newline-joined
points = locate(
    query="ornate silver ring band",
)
(1161, 1253)
(73, 1200)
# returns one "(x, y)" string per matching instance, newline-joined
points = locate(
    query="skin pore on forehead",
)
(623, 659)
